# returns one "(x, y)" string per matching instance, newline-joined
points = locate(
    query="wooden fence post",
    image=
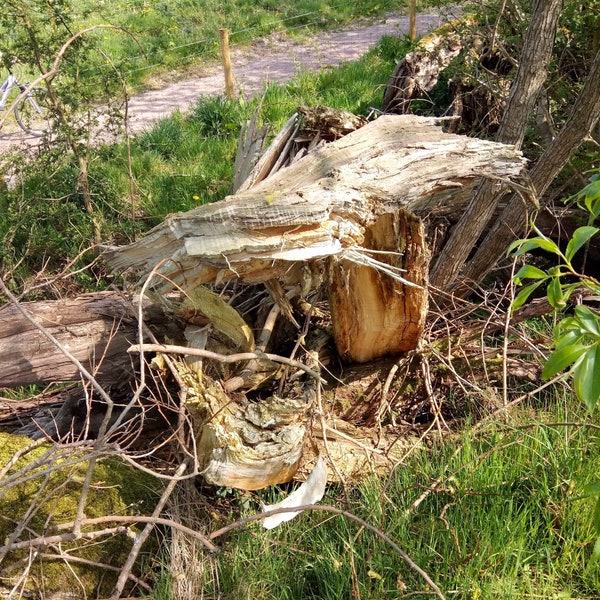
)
(229, 91)
(412, 19)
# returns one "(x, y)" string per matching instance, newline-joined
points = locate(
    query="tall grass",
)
(495, 513)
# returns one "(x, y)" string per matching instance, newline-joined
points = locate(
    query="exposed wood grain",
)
(96, 328)
(375, 315)
(320, 205)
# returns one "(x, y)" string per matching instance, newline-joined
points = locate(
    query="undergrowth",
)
(493, 513)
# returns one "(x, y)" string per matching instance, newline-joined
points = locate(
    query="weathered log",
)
(96, 328)
(325, 205)
(320, 205)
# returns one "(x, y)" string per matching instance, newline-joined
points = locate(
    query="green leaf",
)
(566, 335)
(524, 294)
(590, 321)
(596, 550)
(596, 516)
(579, 238)
(530, 272)
(521, 247)
(586, 377)
(562, 358)
(591, 195)
(555, 294)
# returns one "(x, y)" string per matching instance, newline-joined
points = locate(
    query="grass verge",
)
(492, 513)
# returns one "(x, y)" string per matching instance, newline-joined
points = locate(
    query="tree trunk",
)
(96, 328)
(534, 61)
(514, 220)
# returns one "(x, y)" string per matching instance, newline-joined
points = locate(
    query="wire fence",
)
(203, 50)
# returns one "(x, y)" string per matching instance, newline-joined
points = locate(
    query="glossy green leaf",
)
(589, 320)
(562, 358)
(530, 272)
(593, 489)
(579, 238)
(586, 377)
(521, 247)
(524, 294)
(555, 294)
(596, 516)
(591, 194)
(596, 550)
(569, 336)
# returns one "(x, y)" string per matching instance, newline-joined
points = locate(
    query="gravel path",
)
(273, 59)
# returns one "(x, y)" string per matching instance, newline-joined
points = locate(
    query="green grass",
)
(150, 37)
(506, 521)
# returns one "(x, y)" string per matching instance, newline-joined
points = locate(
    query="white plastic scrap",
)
(310, 492)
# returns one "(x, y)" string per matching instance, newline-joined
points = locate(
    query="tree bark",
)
(514, 219)
(96, 328)
(535, 58)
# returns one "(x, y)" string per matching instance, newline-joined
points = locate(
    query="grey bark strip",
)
(533, 65)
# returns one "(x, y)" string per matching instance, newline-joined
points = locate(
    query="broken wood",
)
(344, 222)
(320, 206)
(376, 314)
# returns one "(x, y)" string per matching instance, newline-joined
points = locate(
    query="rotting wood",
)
(418, 72)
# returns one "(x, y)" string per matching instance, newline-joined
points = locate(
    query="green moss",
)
(43, 488)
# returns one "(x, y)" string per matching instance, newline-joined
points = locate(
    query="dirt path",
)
(273, 59)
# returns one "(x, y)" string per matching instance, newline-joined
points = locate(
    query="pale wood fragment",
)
(373, 313)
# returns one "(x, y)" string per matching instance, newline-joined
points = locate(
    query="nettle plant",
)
(576, 335)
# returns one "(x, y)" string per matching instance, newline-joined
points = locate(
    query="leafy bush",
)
(576, 337)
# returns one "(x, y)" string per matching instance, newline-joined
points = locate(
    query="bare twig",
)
(336, 511)
(229, 358)
(143, 536)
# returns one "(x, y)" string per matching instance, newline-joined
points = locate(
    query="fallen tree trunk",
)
(96, 328)
(322, 209)
(418, 72)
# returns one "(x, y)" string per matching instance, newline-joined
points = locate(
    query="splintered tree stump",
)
(375, 314)
(345, 218)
